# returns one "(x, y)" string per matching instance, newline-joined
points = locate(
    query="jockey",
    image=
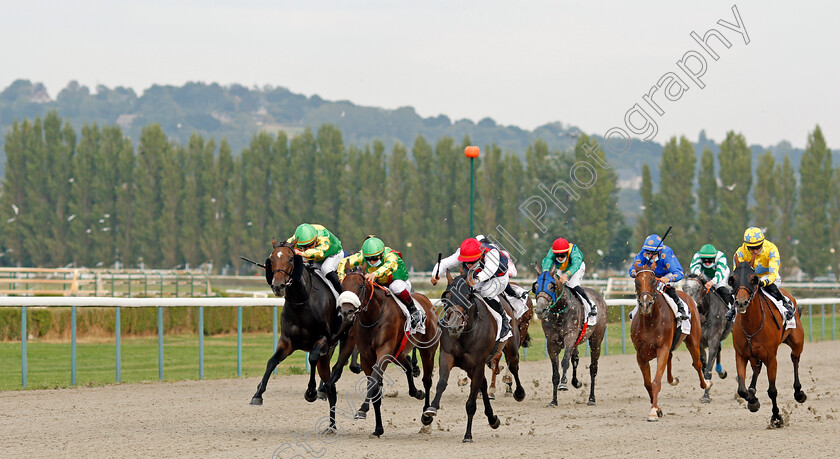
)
(512, 272)
(570, 267)
(763, 256)
(317, 245)
(489, 267)
(384, 266)
(667, 269)
(711, 263)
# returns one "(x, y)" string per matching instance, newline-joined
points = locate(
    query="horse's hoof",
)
(553, 404)
(675, 381)
(654, 415)
(800, 396)
(467, 440)
(577, 384)
(415, 371)
(519, 394)
(705, 399)
(491, 396)
(708, 384)
(257, 401)
(776, 422)
(430, 411)
(360, 415)
(752, 390)
(754, 406)
(562, 386)
(426, 419)
(463, 381)
(722, 374)
(375, 435)
(322, 395)
(495, 423)
(355, 368)
(331, 430)
(310, 395)
(591, 401)
(420, 395)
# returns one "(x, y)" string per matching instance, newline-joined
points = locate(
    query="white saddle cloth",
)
(327, 281)
(498, 319)
(352, 298)
(587, 308)
(781, 307)
(519, 305)
(685, 325)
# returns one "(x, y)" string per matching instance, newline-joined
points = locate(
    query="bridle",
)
(655, 290)
(365, 303)
(270, 272)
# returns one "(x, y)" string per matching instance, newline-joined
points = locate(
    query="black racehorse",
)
(468, 343)
(712, 308)
(562, 317)
(309, 322)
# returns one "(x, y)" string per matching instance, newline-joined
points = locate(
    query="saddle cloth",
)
(352, 298)
(519, 305)
(326, 281)
(781, 307)
(587, 307)
(498, 320)
(685, 325)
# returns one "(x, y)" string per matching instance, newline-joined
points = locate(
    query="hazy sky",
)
(521, 63)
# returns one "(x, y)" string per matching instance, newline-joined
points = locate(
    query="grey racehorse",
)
(716, 328)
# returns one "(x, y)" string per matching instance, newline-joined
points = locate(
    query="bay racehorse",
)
(468, 343)
(655, 335)
(378, 326)
(562, 317)
(758, 331)
(309, 322)
(712, 308)
(524, 340)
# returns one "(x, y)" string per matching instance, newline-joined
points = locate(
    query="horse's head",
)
(744, 285)
(695, 286)
(357, 291)
(457, 300)
(645, 287)
(280, 267)
(545, 290)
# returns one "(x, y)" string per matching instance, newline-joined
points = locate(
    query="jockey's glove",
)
(763, 283)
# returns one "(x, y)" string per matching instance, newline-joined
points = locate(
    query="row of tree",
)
(96, 200)
(801, 217)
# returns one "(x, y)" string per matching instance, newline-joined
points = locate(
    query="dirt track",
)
(213, 418)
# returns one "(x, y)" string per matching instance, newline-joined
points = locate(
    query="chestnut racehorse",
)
(758, 331)
(655, 334)
(379, 330)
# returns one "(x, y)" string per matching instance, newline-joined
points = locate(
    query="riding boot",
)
(497, 306)
(730, 314)
(773, 290)
(672, 292)
(405, 297)
(512, 293)
(726, 294)
(333, 278)
(593, 310)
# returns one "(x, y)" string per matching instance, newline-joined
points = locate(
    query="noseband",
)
(288, 274)
(655, 290)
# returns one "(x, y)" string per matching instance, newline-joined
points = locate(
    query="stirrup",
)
(593, 311)
(415, 319)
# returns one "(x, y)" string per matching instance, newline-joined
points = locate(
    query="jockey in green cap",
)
(317, 245)
(710, 263)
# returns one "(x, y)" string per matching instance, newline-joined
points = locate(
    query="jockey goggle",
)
(561, 256)
(374, 260)
(708, 262)
(753, 248)
(308, 246)
(651, 254)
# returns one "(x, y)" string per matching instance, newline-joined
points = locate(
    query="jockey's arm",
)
(317, 253)
(696, 263)
(675, 271)
(721, 270)
(773, 260)
(575, 260)
(349, 262)
(447, 264)
(548, 261)
(389, 265)
(491, 264)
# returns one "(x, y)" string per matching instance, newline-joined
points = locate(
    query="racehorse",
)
(716, 328)
(655, 334)
(308, 322)
(524, 340)
(757, 340)
(562, 317)
(379, 331)
(468, 343)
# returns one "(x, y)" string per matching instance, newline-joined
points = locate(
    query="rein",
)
(750, 336)
(366, 302)
(655, 291)
(290, 280)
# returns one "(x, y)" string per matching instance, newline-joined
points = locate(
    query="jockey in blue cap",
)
(666, 268)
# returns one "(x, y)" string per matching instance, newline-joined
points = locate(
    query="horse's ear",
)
(274, 243)
(731, 280)
(637, 265)
(449, 278)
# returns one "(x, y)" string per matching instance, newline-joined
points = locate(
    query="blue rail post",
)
(607, 339)
(308, 369)
(201, 342)
(160, 343)
(73, 346)
(274, 330)
(239, 342)
(623, 330)
(833, 321)
(810, 323)
(822, 313)
(117, 329)
(23, 337)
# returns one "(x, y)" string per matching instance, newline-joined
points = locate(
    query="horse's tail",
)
(527, 341)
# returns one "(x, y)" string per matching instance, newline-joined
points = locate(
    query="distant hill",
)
(236, 113)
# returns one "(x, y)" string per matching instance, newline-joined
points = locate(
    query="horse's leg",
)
(555, 375)
(692, 342)
(511, 351)
(644, 366)
(741, 371)
(415, 368)
(367, 367)
(329, 390)
(594, 355)
(507, 380)
(321, 347)
(354, 363)
(568, 349)
(494, 370)
(445, 361)
(344, 353)
(405, 361)
(492, 419)
(798, 393)
(575, 361)
(284, 349)
(671, 379)
(663, 358)
(477, 381)
(718, 367)
(427, 355)
(756, 367)
(713, 352)
(775, 419)
(375, 386)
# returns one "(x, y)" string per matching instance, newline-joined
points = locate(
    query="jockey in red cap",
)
(567, 260)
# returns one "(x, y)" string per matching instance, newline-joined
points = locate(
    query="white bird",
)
(101, 220)
(71, 180)
(70, 218)
(599, 252)
(731, 187)
(107, 215)
(10, 220)
(16, 209)
(106, 228)
(88, 231)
